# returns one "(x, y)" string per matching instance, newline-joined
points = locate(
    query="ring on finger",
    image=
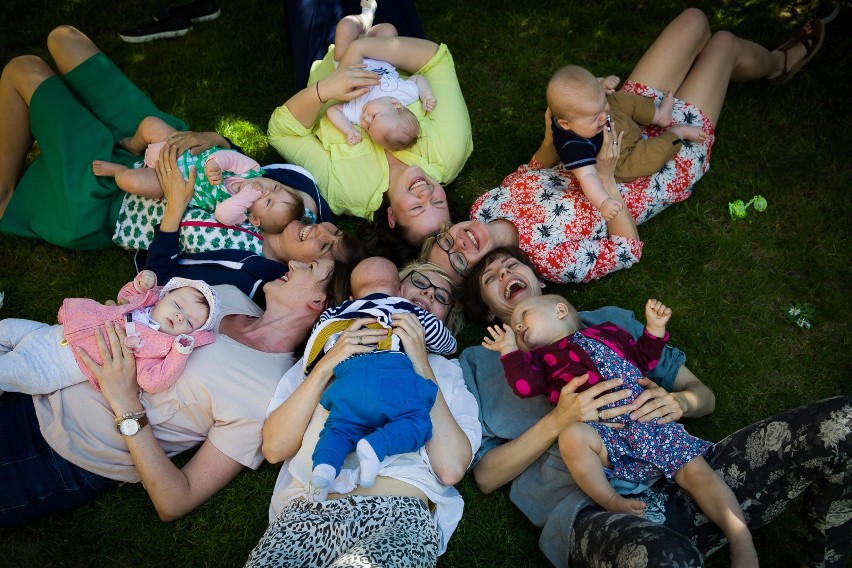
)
(168, 169)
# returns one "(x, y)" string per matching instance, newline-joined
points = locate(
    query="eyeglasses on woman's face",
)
(457, 259)
(442, 295)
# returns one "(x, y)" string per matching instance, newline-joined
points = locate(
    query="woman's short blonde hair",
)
(455, 317)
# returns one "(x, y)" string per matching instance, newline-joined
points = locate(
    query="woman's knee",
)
(61, 36)
(694, 20)
(25, 73)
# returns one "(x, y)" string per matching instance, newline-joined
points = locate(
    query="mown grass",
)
(728, 282)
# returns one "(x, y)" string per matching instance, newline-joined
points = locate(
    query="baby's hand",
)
(184, 343)
(145, 280)
(657, 315)
(609, 83)
(353, 137)
(610, 208)
(502, 339)
(429, 101)
(213, 172)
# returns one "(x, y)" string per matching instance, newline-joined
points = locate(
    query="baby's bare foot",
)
(106, 169)
(663, 114)
(690, 133)
(618, 504)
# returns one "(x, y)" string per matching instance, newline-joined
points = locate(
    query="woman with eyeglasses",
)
(408, 513)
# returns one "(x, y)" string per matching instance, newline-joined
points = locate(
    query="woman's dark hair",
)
(353, 249)
(381, 240)
(474, 304)
(337, 288)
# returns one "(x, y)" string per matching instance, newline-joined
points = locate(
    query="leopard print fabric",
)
(355, 531)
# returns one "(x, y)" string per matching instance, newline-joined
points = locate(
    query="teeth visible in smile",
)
(303, 232)
(417, 184)
(472, 239)
(512, 287)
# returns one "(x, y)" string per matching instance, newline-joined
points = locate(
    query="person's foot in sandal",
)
(796, 52)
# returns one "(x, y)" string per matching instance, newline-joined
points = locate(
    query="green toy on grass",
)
(739, 210)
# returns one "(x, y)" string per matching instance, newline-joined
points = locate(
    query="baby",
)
(162, 325)
(382, 112)
(553, 350)
(582, 106)
(228, 183)
(378, 405)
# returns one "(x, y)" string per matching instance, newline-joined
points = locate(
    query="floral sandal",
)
(812, 40)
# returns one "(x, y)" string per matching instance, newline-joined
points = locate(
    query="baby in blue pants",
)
(378, 405)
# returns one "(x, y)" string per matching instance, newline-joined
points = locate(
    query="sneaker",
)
(198, 11)
(173, 27)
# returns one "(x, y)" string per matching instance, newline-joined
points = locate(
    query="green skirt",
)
(76, 119)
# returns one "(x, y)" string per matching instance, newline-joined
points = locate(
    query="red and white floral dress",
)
(559, 228)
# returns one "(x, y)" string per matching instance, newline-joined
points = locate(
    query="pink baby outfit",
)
(160, 359)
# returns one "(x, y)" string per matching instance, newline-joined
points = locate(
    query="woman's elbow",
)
(450, 475)
(482, 481)
(170, 512)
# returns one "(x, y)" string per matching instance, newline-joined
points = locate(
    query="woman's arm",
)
(197, 142)
(449, 448)
(406, 53)
(345, 84)
(284, 429)
(174, 492)
(504, 463)
(177, 192)
(689, 398)
(622, 224)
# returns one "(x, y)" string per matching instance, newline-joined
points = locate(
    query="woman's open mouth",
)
(513, 288)
(303, 232)
(417, 183)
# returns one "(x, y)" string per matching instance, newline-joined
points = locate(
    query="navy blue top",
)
(575, 151)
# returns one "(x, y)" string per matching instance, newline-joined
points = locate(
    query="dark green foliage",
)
(729, 283)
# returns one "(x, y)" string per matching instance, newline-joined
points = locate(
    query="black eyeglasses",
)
(457, 259)
(422, 281)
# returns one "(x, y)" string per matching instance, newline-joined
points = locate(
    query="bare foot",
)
(663, 114)
(107, 169)
(135, 148)
(618, 504)
(691, 133)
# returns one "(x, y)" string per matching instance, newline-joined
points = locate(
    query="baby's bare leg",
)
(348, 30)
(102, 168)
(585, 455)
(719, 504)
(150, 130)
(141, 181)
(663, 113)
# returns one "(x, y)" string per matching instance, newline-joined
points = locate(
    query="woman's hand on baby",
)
(502, 339)
(655, 402)
(346, 83)
(116, 376)
(608, 155)
(195, 142)
(355, 339)
(176, 190)
(587, 406)
(407, 327)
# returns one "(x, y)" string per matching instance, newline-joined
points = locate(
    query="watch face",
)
(128, 426)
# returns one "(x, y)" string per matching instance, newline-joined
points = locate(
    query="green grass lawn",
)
(727, 282)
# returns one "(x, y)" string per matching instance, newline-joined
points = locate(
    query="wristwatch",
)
(131, 425)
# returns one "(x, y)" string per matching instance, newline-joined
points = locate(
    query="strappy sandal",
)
(811, 40)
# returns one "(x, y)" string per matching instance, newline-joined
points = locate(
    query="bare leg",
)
(585, 454)
(151, 129)
(102, 168)
(382, 30)
(719, 504)
(140, 181)
(667, 62)
(69, 48)
(20, 78)
(348, 30)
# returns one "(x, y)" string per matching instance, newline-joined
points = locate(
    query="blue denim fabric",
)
(34, 480)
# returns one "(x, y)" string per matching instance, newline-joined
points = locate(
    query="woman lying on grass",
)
(767, 465)
(541, 207)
